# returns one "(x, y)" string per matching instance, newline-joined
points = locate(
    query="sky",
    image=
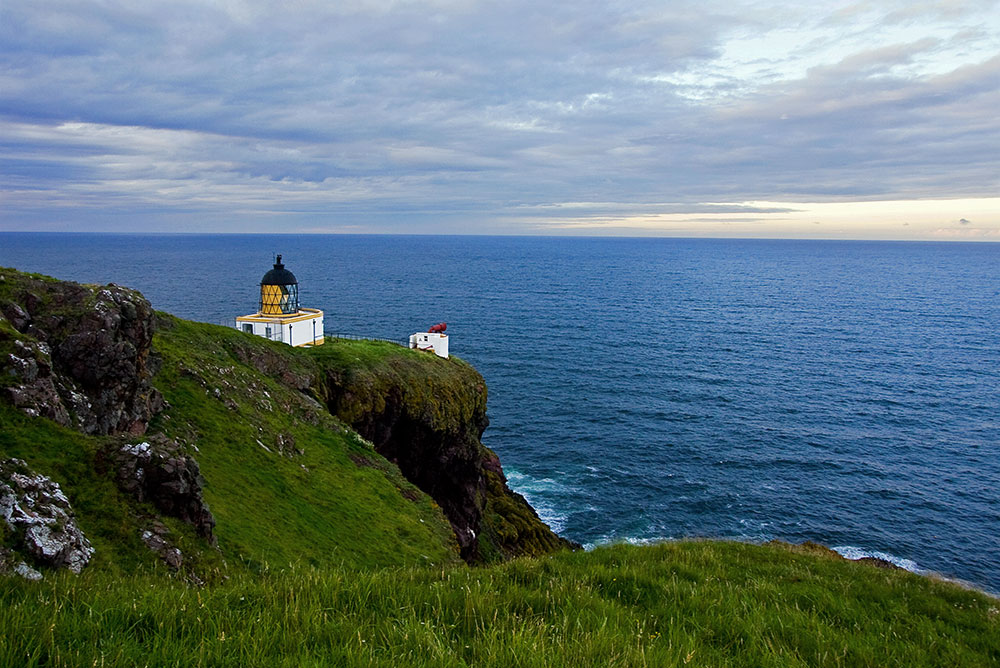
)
(863, 120)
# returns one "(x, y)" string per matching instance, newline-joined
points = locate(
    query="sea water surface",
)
(647, 389)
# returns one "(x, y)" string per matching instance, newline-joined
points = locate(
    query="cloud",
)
(483, 116)
(964, 221)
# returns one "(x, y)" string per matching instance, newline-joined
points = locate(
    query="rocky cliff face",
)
(427, 415)
(431, 433)
(79, 356)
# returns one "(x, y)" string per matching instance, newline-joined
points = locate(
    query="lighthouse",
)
(279, 316)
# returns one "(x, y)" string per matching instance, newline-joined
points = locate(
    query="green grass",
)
(678, 604)
(327, 499)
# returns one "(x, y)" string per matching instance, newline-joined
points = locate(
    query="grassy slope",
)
(109, 519)
(694, 603)
(336, 502)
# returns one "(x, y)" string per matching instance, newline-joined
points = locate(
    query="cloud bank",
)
(489, 117)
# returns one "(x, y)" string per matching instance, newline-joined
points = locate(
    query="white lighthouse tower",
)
(279, 317)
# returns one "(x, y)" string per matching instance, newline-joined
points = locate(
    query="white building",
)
(434, 340)
(279, 317)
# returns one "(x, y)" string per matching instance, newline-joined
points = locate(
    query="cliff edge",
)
(427, 415)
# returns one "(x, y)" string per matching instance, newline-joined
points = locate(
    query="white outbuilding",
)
(433, 340)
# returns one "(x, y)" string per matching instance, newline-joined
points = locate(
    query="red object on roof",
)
(438, 328)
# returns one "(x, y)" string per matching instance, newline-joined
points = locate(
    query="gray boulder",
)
(41, 519)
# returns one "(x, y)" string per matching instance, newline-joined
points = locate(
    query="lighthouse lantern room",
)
(279, 317)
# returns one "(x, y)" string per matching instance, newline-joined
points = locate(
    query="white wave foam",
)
(852, 552)
(615, 540)
(534, 490)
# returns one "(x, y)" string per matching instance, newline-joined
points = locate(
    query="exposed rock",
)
(158, 471)
(34, 391)
(7, 558)
(41, 519)
(156, 540)
(16, 315)
(27, 572)
(879, 563)
(84, 355)
(442, 460)
(429, 422)
(285, 444)
(273, 365)
(814, 548)
(10, 564)
(510, 526)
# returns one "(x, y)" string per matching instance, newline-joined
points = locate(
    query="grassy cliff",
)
(356, 453)
(427, 415)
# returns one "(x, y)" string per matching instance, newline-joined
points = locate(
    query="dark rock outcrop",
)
(156, 539)
(35, 393)
(12, 564)
(427, 415)
(818, 549)
(273, 365)
(159, 472)
(41, 520)
(78, 355)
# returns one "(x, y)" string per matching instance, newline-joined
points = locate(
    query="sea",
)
(641, 390)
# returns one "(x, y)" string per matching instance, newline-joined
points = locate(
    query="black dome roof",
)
(279, 275)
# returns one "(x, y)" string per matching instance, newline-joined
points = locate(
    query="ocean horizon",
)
(645, 389)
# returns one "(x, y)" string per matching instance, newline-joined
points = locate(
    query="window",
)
(267, 331)
(277, 299)
(248, 328)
